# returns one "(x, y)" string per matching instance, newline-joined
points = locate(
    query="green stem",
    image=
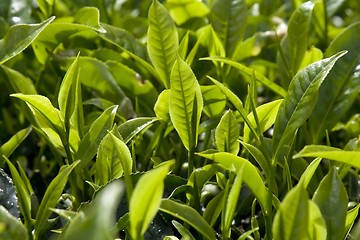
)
(269, 214)
(191, 155)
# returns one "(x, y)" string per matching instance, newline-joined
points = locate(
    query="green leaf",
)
(184, 10)
(227, 134)
(11, 227)
(51, 197)
(185, 233)
(18, 82)
(132, 127)
(309, 172)
(98, 129)
(46, 6)
(341, 88)
(97, 219)
(251, 175)
(214, 100)
(228, 18)
(186, 103)
(351, 216)
(331, 197)
(9, 147)
(317, 224)
(146, 199)
(162, 41)
(266, 114)
(22, 193)
(16, 11)
(250, 72)
(108, 162)
(291, 220)
(214, 208)
(8, 197)
(89, 16)
(351, 158)
(295, 43)
(189, 215)
(258, 156)
(300, 101)
(231, 202)
(20, 37)
(161, 106)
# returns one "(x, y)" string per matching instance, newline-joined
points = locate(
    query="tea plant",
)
(213, 119)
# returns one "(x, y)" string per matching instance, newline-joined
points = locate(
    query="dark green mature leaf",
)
(331, 197)
(98, 129)
(146, 199)
(162, 41)
(12, 228)
(291, 220)
(189, 215)
(342, 86)
(18, 82)
(130, 128)
(227, 134)
(228, 18)
(20, 37)
(97, 219)
(8, 197)
(51, 197)
(351, 158)
(300, 101)
(295, 43)
(186, 103)
(251, 175)
(251, 73)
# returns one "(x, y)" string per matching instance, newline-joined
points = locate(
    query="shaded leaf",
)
(132, 127)
(331, 197)
(300, 101)
(228, 18)
(351, 217)
(51, 197)
(341, 88)
(18, 82)
(97, 219)
(12, 228)
(189, 215)
(8, 197)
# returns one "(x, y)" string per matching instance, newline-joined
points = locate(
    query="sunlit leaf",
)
(184, 10)
(351, 217)
(89, 16)
(146, 199)
(227, 134)
(20, 37)
(351, 158)
(162, 41)
(134, 126)
(291, 220)
(186, 103)
(317, 224)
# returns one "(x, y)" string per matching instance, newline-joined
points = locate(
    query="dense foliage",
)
(179, 119)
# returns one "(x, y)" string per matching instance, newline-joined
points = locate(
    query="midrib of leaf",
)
(188, 123)
(162, 46)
